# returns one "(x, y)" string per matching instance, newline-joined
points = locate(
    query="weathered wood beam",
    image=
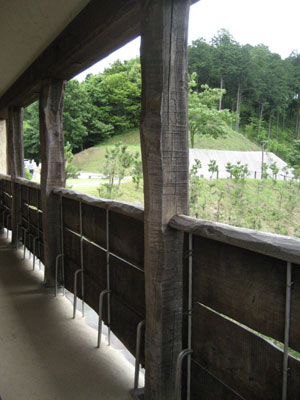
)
(164, 142)
(15, 163)
(99, 29)
(53, 170)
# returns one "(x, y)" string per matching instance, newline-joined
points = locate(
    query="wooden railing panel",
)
(246, 286)
(124, 323)
(7, 200)
(239, 358)
(205, 386)
(126, 238)
(94, 224)
(295, 310)
(128, 283)
(24, 193)
(71, 218)
(94, 260)
(72, 246)
(34, 197)
(70, 266)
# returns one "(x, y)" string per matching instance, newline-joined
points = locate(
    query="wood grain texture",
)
(165, 165)
(246, 286)
(128, 284)
(126, 238)
(295, 310)
(94, 224)
(131, 210)
(242, 360)
(282, 247)
(205, 386)
(71, 216)
(15, 163)
(53, 170)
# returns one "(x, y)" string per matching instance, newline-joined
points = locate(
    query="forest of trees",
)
(261, 88)
(262, 91)
(101, 106)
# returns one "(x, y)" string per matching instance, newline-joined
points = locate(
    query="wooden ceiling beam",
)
(99, 29)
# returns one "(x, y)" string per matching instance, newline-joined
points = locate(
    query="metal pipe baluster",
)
(100, 315)
(7, 231)
(25, 236)
(34, 249)
(108, 275)
(56, 272)
(81, 257)
(190, 305)
(138, 353)
(40, 267)
(62, 244)
(30, 236)
(287, 330)
(180, 358)
(75, 290)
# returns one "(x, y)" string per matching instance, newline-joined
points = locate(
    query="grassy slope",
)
(271, 211)
(91, 160)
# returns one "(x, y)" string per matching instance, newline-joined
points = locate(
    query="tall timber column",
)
(15, 163)
(53, 170)
(164, 139)
(3, 158)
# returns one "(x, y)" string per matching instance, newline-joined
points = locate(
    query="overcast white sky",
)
(275, 23)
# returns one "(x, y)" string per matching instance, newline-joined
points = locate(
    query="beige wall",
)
(3, 147)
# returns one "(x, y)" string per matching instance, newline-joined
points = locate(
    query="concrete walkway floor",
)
(44, 353)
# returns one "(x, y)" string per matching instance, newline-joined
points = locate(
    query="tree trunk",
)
(297, 120)
(15, 164)
(53, 170)
(277, 126)
(221, 87)
(238, 108)
(260, 117)
(283, 123)
(270, 125)
(164, 139)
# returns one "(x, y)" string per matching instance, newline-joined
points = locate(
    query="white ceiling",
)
(27, 27)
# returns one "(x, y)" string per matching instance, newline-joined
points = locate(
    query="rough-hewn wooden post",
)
(15, 163)
(53, 170)
(164, 138)
(3, 149)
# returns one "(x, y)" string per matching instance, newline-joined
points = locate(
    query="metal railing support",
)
(30, 235)
(24, 244)
(287, 330)
(34, 250)
(56, 274)
(108, 275)
(102, 294)
(7, 224)
(180, 359)
(78, 271)
(138, 353)
(190, 306)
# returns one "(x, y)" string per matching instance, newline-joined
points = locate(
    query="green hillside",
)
(92, 159)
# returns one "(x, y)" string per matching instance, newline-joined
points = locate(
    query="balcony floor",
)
(44, 353)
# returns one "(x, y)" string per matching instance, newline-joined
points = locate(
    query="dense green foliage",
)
(102, 106)
(261, 88)
(258, 95)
